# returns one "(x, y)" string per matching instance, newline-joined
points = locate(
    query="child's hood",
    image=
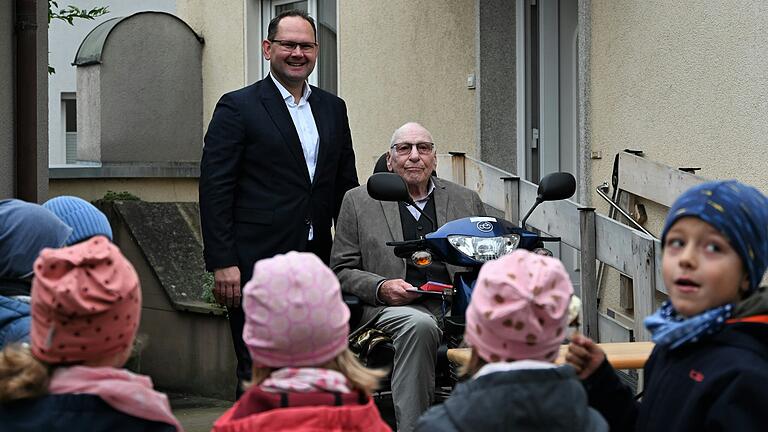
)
(755, 304)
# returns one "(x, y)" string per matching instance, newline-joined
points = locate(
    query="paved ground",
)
(197, 414)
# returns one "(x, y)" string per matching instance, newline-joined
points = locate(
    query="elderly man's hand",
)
(226, 288)
(394, 292)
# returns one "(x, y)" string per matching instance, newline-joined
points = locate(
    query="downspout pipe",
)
(26, 100)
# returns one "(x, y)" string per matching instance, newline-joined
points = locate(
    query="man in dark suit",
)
(367, 268)
(277, 161)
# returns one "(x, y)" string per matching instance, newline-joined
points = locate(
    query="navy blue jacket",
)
(256, 196)
(718, 384)
(14, 321)
(71, 412)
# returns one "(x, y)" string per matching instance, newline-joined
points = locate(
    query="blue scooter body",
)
(438, 244)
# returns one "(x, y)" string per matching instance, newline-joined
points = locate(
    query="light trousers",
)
(416, 337)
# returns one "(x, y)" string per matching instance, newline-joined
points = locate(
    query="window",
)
(283, 6)
(69, 117)
(325, 74)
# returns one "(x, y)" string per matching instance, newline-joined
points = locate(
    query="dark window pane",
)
(70, 106)
(326, 37)
(300, 5)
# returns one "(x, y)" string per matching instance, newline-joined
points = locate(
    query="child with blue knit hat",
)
(709, 368)
(83, 217)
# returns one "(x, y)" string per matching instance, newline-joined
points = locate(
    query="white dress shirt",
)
(422, 202)
(304, 122)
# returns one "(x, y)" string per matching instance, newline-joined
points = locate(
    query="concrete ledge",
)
(188, 342)
(122, 170)
(168, 236)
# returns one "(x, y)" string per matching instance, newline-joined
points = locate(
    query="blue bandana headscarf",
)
(672, 330)
(737, 211)
(25, 229)
(740, 213)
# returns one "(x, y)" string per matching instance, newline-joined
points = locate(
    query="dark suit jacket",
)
(256, 199)
(360, 256)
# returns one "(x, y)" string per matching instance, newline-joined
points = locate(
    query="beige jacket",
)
(360, 256)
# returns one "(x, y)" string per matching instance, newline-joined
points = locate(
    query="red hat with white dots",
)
(86, 303)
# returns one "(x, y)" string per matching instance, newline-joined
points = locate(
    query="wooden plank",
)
(512, 199)
(613, 330)
(614, 244)
(444, 167)
(487, 181)
(588, 273)
(657, 255)
(458, 167)
(621, 355)
(556, 218)
(626, 292)
(643, 282)
(652, 180)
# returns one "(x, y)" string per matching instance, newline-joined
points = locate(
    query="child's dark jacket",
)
(71, 412)
(720, 383)
(516, 400)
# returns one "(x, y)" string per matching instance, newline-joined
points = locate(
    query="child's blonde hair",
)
(21, 374)
(360, 377)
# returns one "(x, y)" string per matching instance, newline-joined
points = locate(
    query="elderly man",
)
(367, 267)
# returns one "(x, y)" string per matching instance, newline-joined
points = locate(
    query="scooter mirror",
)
(556, 186)
(387, 186)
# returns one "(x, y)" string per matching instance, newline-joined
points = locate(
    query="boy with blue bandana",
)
(709, 369)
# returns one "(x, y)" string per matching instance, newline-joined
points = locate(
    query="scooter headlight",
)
(484, 248)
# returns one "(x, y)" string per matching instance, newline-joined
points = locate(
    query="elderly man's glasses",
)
(403, 149)
(289, 46)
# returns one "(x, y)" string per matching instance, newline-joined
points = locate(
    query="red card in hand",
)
(435, 287)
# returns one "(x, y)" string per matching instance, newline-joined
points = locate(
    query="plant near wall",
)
(120, 196)
(71, 13)
(208, 284)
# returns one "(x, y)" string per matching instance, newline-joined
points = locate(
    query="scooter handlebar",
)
(404, 249)
(549, 239)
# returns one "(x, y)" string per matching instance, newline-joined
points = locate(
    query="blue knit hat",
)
(84, 218)
(737, 211)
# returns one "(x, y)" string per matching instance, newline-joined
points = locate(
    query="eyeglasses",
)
(403, 149)
(289, 46)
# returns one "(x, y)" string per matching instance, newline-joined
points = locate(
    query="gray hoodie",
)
(551, 399)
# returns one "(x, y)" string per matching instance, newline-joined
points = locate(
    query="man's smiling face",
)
(293, 67)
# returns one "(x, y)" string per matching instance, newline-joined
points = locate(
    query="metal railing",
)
(595, 236)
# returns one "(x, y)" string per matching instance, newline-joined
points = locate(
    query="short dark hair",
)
(272, 29)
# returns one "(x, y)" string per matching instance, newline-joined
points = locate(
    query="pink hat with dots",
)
(294, 313)
(86, 303)
(519, 308)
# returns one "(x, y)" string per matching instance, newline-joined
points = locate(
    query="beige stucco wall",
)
(403, 60)
(148, 189)
(684, 81)
(221, 23)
